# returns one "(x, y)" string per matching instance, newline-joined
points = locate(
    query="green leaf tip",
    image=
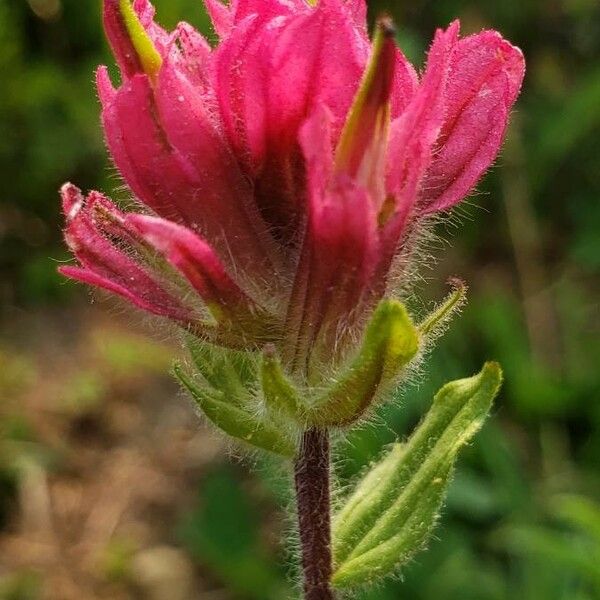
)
(393, 510)
(149, 56)
(390, 342)
(234, 420)
(441, 314)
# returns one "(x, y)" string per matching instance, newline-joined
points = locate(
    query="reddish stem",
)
(314, 508)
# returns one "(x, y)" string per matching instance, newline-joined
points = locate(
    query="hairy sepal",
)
(229, 372)
(229, 407)
(390, 342)
(393, 510)
(279, 392)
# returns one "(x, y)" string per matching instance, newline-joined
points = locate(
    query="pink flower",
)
(281, 175)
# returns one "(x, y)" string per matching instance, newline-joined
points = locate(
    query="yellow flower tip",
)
(148, 55)
(362, 146)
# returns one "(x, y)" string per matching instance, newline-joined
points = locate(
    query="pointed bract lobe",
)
(195, 56)
(166, 145)
(406, 83)
(103, 264)
(220, 15)
(339, 249)
(198, 262)
(485, 77)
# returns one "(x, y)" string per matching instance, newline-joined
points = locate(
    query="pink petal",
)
(145, 300)
(269, 74)
(168, 150)
(283, 69)
(358, 10)
(106, 90)
(240, 68)
(119, 39)
(104, 265)
(220, 15)
(339, 252)
(413, 134)
(333, 278)
(412, 138)
(196, 54)
(266, 10)
(405, 86)
(318, 58)
(226, 200)
(486, 73)
(198, 262)
(315, 139)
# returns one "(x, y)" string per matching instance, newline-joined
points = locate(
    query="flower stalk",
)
(313, 496)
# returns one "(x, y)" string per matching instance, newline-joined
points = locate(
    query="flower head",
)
(280, 174)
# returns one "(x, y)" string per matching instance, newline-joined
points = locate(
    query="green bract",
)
(236, 421)
(251, 397)
(390, 342)
(392, 511)
(224, 390)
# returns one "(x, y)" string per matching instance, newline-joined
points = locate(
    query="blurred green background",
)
(109, 488)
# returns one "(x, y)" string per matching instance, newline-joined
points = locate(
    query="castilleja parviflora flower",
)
(281, 174)
(282, 181)
(282, 178)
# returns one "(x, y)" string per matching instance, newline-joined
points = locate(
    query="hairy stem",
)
(314, 508)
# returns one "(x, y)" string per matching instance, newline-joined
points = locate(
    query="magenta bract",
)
(280, 174)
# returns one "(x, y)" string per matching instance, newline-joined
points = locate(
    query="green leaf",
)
(391, 513)
(391, 341)
(235, 421)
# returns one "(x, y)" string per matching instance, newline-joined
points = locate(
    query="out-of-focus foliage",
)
(97, 455)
